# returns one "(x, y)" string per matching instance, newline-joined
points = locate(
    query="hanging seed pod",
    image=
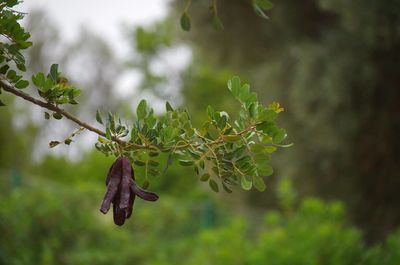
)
(114, 179)
(119, 214)
(122, 190)
(125, 183)
(145, 195)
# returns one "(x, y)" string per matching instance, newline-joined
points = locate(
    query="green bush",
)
(51, 223)
(315, 234)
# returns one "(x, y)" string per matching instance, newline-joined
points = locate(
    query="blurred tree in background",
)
(47, 222)
(333, 65)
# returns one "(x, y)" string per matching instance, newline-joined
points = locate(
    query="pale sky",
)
(103, 17)
(107, 19)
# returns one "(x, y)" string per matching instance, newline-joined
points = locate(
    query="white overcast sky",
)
(103, 17)
(107, 18)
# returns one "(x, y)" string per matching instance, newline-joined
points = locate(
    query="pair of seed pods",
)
(122, 190)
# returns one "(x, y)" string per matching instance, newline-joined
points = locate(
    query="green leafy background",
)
(332, 198)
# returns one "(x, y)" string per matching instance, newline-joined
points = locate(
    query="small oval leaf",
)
(186, 162)
(213, 185)
(98, 117)
(205, 177)
(185, 21)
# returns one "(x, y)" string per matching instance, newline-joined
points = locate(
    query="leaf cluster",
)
(55, 88)
(259, 6)
(223, 152)
(14, 34)
(13, 39)
(114, 129)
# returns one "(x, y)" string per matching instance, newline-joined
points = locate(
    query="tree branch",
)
(52, 107)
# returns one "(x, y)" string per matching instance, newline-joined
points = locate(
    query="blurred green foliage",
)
(44, 221)
(332, 65)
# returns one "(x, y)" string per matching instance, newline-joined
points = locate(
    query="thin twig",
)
(49, 106)
(188, 3)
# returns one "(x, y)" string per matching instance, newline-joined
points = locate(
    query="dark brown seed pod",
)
(119, 215)
(122, 190)
(112, 186)
(109, 175)
(126, 180)
(144, 194)
(129, 210)
(132, 198)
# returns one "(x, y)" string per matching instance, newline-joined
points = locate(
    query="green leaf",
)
(21, 67)
(54, 72)
(193, 154)
(252, 97)
(232, 138)
(76, 92)
(253, 110)
(98, 117)
(210, 112)
(243, 159)
(221, 121)
(47, 115)
(4, 69)
(153, 163)
(141, 110)
(48, 84)
(205, 177)
(108, 133)
(244, 93)
(38, 80)
(266, 115)
(257, 148)
(73, 102)
(267, 127)
(11, 74)
(234, 86)
(202, 164)
(259, 183)
(21, 84)
(168, 106)
(261, 159)
(153, 172)
(185, 21)
(264, 4)
(11, 3)
(153, 154)
(260, 12)
(186, 162)
(245, 183)
(196, 169)
(54, 144)
(57, 115)
(279, 136)
(213, 185)
(111, 122)
(217, 23)
(265, 169)
(139, 163)
(270, 149)
(226, 188)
